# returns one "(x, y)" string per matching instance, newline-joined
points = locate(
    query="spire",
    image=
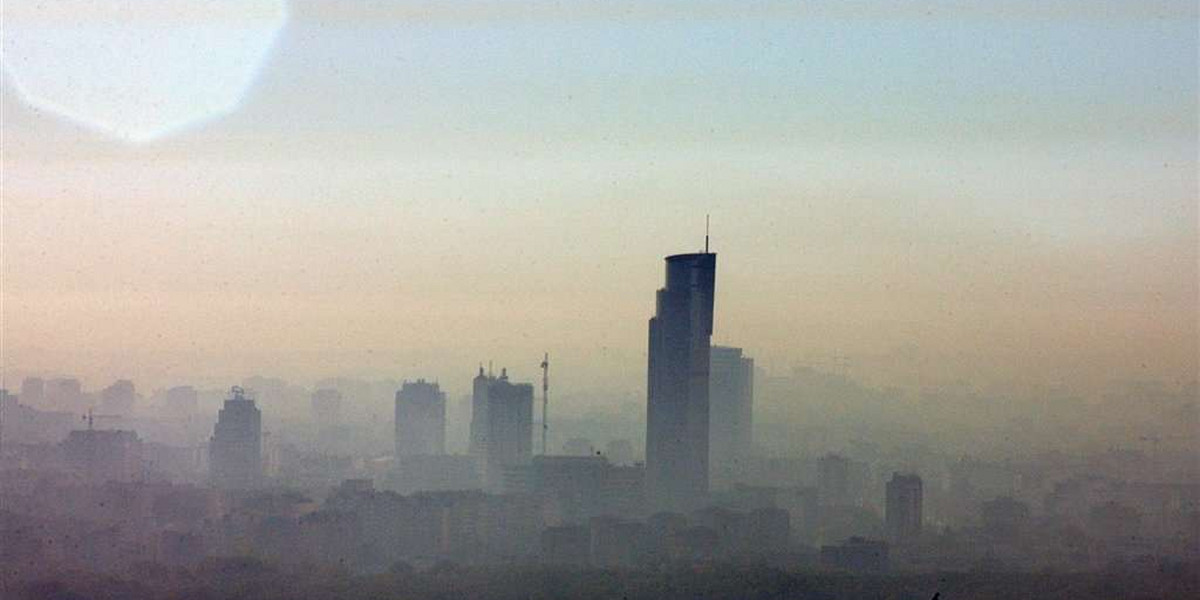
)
(706, 234)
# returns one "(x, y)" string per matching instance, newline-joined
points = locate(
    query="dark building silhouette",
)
(677, 406)
(501, 426)
(833, 480)
(576, 488)
(118, 398)
(904, 507)
(100, 456)
(235, 451)
(420, 419)
(731, 402)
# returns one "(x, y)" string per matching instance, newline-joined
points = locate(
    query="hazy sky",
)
(935, 189)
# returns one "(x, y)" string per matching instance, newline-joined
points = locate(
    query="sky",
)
(996, 192)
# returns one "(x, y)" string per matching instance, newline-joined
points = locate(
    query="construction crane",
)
(545, 399)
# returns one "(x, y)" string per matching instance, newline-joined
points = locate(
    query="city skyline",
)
(281, 280)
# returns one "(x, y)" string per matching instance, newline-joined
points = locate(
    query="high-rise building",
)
(182, 401)
(477, 442)
(33, 392)
(420, 419)
(833, 480)
(100, 456)
(6, 400)
(235, 451)
(731, 404)
(501, 426)
(327, 407)
(904, 510)
(677, 411)
(118, 398)
(65, 394)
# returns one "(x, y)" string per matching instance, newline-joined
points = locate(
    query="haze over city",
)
(959, 264)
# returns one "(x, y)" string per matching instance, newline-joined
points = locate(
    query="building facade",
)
(235, 450)
(904, 507)
(100, 456)
(731, 405)
(677, 411)
(501, 426)
(420, 419)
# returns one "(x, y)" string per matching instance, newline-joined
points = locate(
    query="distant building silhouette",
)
(182, 401)
(64, 394)
(327, 407)
(420, 419)
(857, 555)
(100, 456)
(433, 473)
(731, 402)
(235, 451)
(33, 392)
(677, 412)
(574, 489)
(501, 426)
(904, 507)
(118, 398)
(839, 480)
(1005, 519)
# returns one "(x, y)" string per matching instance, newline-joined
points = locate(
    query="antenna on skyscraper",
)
(706, 234)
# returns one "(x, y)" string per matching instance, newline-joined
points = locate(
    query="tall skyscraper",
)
(731, 404)
(677, 406)
(904, 511)
(235, 451)
(501, 426)
(420, 419)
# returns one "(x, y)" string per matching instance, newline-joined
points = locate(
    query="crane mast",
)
(545, 399)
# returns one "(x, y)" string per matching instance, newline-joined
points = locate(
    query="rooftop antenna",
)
(545, 399)
(706, 234)
(91, 416)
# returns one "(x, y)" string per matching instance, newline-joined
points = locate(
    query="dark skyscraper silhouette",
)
(235, 451)
(677, 408)
(501, 426)
(731, 399)
(420, 419)
(904, 507)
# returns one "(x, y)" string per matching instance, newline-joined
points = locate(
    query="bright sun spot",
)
(137, 69)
